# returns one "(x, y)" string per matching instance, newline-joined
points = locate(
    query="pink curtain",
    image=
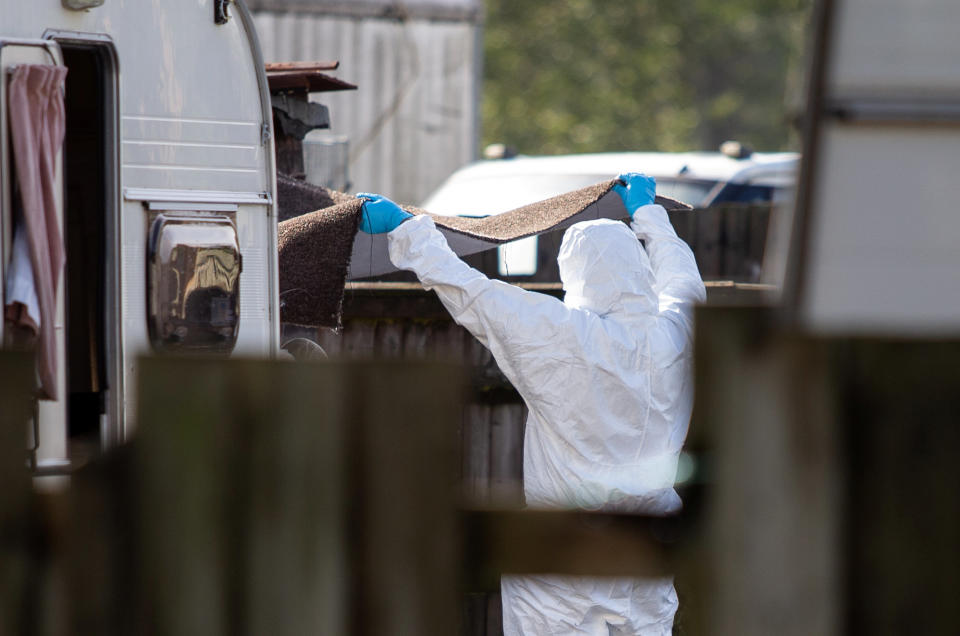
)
(37, 125)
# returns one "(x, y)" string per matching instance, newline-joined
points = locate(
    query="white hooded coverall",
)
(606, 376)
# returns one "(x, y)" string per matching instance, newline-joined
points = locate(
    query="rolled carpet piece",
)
(319, 251)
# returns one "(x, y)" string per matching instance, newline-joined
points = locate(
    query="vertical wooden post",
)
(766, 427)
(901, 546)
(19, 569)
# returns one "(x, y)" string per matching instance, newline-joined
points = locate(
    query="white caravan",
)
(166, 188)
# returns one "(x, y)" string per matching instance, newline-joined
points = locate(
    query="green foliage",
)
(605, 75)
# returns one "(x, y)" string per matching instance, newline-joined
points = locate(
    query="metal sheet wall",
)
(414, 119)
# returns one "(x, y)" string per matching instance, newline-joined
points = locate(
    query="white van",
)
(165, 197)
(700, 179)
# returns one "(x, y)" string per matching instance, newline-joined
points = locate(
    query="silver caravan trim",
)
(266, 137)
(196, 196)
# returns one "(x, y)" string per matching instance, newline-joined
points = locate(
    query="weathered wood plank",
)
(449, 341)
(404, 501)
(389, 339)
(494, 614)
(759, 227)
(473, 620)
(684, 223)
(569, 542)
(708, 249)
(734, 224)
(506, 455)
(901, 548)
(19, 566)
(475, 453)
(330, 341)
(766, 416)
(102, 548)
(360, 342)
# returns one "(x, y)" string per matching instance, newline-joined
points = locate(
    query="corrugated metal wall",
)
(414, 119)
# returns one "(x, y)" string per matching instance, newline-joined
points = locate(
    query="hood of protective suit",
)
(605, 270)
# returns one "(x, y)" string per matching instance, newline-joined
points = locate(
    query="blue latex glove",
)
(636, 190)
(380, 214)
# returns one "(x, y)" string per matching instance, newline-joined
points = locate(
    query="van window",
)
(744, 193)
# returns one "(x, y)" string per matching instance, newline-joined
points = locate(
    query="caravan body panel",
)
(192, 126)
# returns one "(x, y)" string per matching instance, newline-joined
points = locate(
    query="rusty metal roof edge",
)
(310, 81)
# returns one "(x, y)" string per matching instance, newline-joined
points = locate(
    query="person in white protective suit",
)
(606, 376)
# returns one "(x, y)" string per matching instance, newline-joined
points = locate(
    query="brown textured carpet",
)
(536, 217)
(315, 248)
(296, 197)
(314, 254)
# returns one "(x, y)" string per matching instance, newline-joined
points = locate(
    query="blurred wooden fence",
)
(833, 504)
(286, 499)
(276, 498)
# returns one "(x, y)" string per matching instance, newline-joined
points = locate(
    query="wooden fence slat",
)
(902, 511)
(102, 548)
(733, 222)
(506, 455)
(417, 340)
(708, 248)
(330, 341)
(474, 615)
(494, 614)
(389, 339)
(475, 440)
(292, 487)
(360, 342)
(405, 499)
(448, 341)
(764, 406)
(19, 600)
(684, 222)
(759, 224)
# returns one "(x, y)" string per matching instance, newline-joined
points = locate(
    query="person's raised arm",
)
(516, 325)
(678, 284)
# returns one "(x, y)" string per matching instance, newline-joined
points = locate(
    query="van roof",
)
(694, 165)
